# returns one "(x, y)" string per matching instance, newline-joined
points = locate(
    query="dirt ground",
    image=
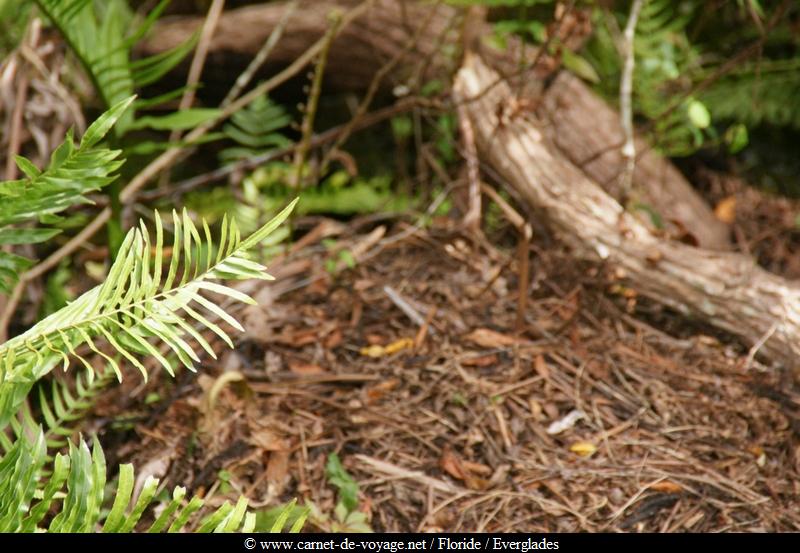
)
(597, 411)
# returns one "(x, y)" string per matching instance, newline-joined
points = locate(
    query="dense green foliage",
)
(151, 299)
(145, 298)
(705, 72)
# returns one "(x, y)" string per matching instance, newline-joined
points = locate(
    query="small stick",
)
(625, 107)
(472, 219)
(526, 233)
(419, 339)
(20, 97)
(524, 275)
(751, 355)
(406, 474)
(404, 306)
(199, 59)
(501, 423)
(244, 79)
(15, 131)
(301, 153)
(195, 70)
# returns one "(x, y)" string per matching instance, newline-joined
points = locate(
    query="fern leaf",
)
(18, 478)
(97, 35)
(255, 129)
(27, 495)
(61, 409)
(135, 303)
(766, 92)
(73, 172)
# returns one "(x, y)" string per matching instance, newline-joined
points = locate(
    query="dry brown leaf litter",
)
(448, 429)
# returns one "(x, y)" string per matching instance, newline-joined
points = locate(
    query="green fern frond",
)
(61, 408)
(142, 298)
(97, 33)
(254, 129)
(99, 44)
(73, 172)
(27, 495)
(766, 92)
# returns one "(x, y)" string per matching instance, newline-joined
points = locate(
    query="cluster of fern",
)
(153, 305)
(145, 302)
(688, 50)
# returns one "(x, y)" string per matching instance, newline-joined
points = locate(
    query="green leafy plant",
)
(687, 50)
(26, 500)
(667, 62)
(278, 518)
(148, 299)
(346, 516)
(102, 36)
(98, 35)
(73, 172)
(255, 130)
(339, 257)
(757, 93)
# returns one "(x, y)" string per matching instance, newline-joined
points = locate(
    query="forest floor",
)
(600, 411)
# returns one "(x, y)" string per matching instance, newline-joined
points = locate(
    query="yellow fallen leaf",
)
(398, 345)
(666, 486)
(379, 351)
(372, 351)
(584, 449)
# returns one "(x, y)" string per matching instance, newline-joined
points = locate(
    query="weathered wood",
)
(726, 289)
(582, 125)
(589, 134)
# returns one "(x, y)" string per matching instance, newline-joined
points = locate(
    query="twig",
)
(372, 89)
(472, 219)
(301, 153)
(15, 129)
(421, 69)
(525, 233)
(404, 306)
(524, 275)
(503, 426)
(625, 107)
(244, 79)
(406, 474)
(196, 69)
(423, 331)
(554, 33)
(199, 59)
(9, 308)
(20, 98)
(751, 355)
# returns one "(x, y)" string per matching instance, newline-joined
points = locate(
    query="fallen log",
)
(584, 128)
(727, 290)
